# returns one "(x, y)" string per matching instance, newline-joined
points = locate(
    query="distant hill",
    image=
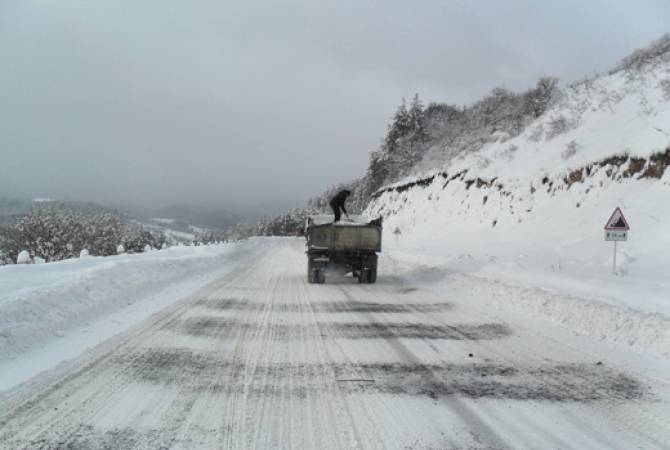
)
(199, 216)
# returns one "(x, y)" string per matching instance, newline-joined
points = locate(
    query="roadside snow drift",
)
(45, 301)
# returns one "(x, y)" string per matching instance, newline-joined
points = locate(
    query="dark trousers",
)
(337, 212)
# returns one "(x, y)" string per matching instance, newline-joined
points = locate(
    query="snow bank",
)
(602, 318)
(40, 302)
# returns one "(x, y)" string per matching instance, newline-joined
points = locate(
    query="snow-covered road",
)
(261, 359)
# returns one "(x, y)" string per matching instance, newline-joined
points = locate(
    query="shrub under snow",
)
(24, 258)
(84, 253)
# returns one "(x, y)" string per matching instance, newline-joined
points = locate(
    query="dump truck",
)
(348, 246)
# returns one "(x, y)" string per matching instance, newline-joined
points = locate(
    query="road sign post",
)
(397, 233)
(616, 229)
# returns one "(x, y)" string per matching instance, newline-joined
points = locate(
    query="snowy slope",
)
(530, 210)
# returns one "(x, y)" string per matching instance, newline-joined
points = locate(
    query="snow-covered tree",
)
(55, 231)
(537, 100)
(417, 123)
(400, 126)
(658, 51)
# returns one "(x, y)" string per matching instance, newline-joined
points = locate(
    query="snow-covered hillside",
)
(531, 209)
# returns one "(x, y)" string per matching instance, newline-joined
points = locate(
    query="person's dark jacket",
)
(337, 202)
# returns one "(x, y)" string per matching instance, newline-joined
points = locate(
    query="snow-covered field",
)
(51, 312)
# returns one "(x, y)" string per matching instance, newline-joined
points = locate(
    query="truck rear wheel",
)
(315, 274)
(372, 275)
(320, 276)
(311, 275)
(363, 276)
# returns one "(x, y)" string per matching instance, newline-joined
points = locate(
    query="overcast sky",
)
(160, 101)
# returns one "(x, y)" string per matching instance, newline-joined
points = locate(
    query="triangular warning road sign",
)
(617, 221)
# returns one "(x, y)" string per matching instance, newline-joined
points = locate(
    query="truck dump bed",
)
(358, 235)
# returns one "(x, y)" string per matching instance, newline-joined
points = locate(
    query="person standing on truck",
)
(337, 203)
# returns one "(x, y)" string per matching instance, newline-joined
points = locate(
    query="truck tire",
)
(320, 276)
(363, 276)
(311, 276)
(372, 275)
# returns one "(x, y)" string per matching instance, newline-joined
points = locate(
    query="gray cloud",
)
(249, 102)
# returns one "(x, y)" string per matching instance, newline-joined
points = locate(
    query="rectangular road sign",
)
(616, 235)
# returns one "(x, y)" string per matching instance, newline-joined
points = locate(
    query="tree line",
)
(53, 231)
